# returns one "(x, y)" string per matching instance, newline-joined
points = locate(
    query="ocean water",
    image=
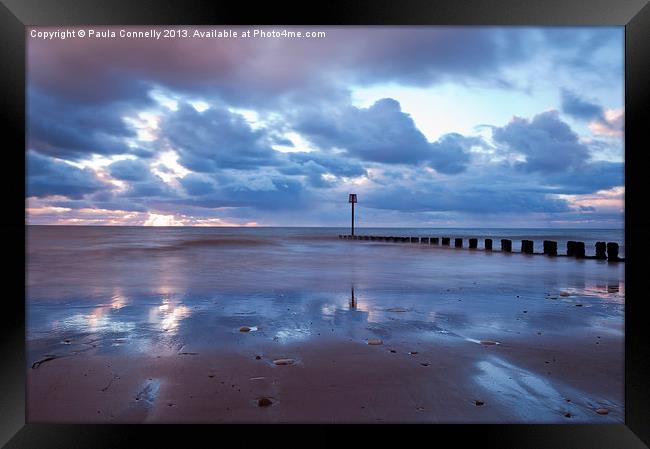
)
(122, 269)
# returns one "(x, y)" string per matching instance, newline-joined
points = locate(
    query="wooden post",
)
(550, 248)
(435, 240)
(488, 244)
(527, 246)
(579, 249)
(473, 243)
(415, 239)
(424, 240)
(570, 248)
(506, 245)
(601, 250)
(445, 241)
(612, 251)
(458, 243)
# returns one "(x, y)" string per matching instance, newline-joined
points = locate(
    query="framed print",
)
(360, 213)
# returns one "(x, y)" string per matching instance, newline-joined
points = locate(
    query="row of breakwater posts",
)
(603, 250)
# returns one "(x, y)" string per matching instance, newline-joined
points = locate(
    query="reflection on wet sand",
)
(168, 315)
(536, 399)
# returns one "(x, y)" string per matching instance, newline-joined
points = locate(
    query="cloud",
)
(59, 128)
(612, 124)
(322, 169)
(47, 177)
(90, 100)
(608, 123)
(547, 143)
(472, 198)
(129, 170)
(383, 133)
(591, 177)
(216, 139)
(451, 153)
(197, 185)
(580, 108)
(258, 71)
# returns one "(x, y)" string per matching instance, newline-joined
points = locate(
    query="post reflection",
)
(353, 300)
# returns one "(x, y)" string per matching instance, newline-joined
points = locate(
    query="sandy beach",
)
(301, 329)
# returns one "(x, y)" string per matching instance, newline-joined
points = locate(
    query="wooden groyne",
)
(603, 250)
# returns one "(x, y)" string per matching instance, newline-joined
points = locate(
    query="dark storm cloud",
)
(129, 170)
(580, 108)
(47, 176)
(450, 153)
(59, 128)
(197, 185)
(276, 193)
(591, 177)
(257, 71)
(548, 143)
(140, 180)
(316, 164)
(380, 133)
(216, 139)
(469, 198)
(383, 133)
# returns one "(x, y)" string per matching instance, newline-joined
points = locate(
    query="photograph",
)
(325, 224)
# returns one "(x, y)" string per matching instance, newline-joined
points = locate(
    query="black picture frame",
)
(15, 15)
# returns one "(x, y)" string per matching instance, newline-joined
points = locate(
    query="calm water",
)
(126, 274)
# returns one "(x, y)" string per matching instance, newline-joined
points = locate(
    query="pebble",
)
(264, 402)
(424, 364)
(602, 411)
(488, 342)
(413, 352)
(284, 362)
(375, 341)
(257, 357)
(578, 305)
(479, 403)
(565, 294)
(244, 329)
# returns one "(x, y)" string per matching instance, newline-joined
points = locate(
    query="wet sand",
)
(191, 335)
(530, 378)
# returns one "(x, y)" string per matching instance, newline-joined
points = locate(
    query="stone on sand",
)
(264, 402)
(244, 329)
(282, 362)
(602, 411)
(375, 341)
(488, 342)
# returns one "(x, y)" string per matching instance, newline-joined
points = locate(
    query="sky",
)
(429, 126)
